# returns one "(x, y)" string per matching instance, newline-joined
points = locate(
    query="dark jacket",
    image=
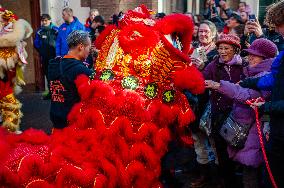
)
(216, 71)
(44, 42)
(64, 30)
(275, 37)
(62, 74)
(275, 108)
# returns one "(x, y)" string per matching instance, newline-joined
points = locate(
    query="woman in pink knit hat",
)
(228, 66)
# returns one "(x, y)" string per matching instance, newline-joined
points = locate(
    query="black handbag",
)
(205, 124)
(234, 133)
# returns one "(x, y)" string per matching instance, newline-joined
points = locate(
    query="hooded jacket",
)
(62, 74)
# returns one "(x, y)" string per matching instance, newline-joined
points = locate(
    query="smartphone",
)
(252, 18)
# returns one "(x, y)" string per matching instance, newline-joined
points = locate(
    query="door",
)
(35, 22)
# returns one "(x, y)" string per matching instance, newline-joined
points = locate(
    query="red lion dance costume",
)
(119, 131)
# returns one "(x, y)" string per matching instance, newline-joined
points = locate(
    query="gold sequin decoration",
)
(142, 65)
(162, 63)
(111, 54)
(7, 52)
(103, 53)
(10, 111)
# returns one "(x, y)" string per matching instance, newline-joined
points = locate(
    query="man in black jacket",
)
(62, 74)
(275, 108)
(44, 42)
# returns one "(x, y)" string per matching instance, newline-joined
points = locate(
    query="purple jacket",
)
(217, 71)
(251, 154)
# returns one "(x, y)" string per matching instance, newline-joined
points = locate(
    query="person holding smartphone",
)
(211, 13)
(252, 32)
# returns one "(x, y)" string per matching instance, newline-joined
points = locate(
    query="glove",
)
(249, 83)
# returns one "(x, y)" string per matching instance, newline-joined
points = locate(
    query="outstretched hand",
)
(210, 84)
(256, 103)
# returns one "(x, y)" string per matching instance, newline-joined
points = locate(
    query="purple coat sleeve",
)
(238, 93)
(208, 71)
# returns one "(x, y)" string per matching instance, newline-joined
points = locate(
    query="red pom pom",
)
(137, 39)
(177, 23)
(190, 79)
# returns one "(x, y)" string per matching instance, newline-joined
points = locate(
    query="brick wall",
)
(85, 3)
(109, 7)
(130, 4)
(106, 7)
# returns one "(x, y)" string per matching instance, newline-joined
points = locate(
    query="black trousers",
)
(226, 166)
(275, 154)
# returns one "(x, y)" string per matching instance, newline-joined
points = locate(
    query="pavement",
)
(35, 110)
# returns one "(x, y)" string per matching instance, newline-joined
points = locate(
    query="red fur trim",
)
(138, 175)
(101, 38)
(34, 136)
(4, 145)
(123, 127)
(39, 183)
(110, 171)
(161, 140)
(185, 118)
(100, 181)
(145, 153)
(190, 79)
(162, 114)
(147, 132)
(8, 178)
(82, 83)
(177, 23)
(123, 175)
(72, 116)
(72, 176)
(31, 166)
(92, 118)
(137, 39)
